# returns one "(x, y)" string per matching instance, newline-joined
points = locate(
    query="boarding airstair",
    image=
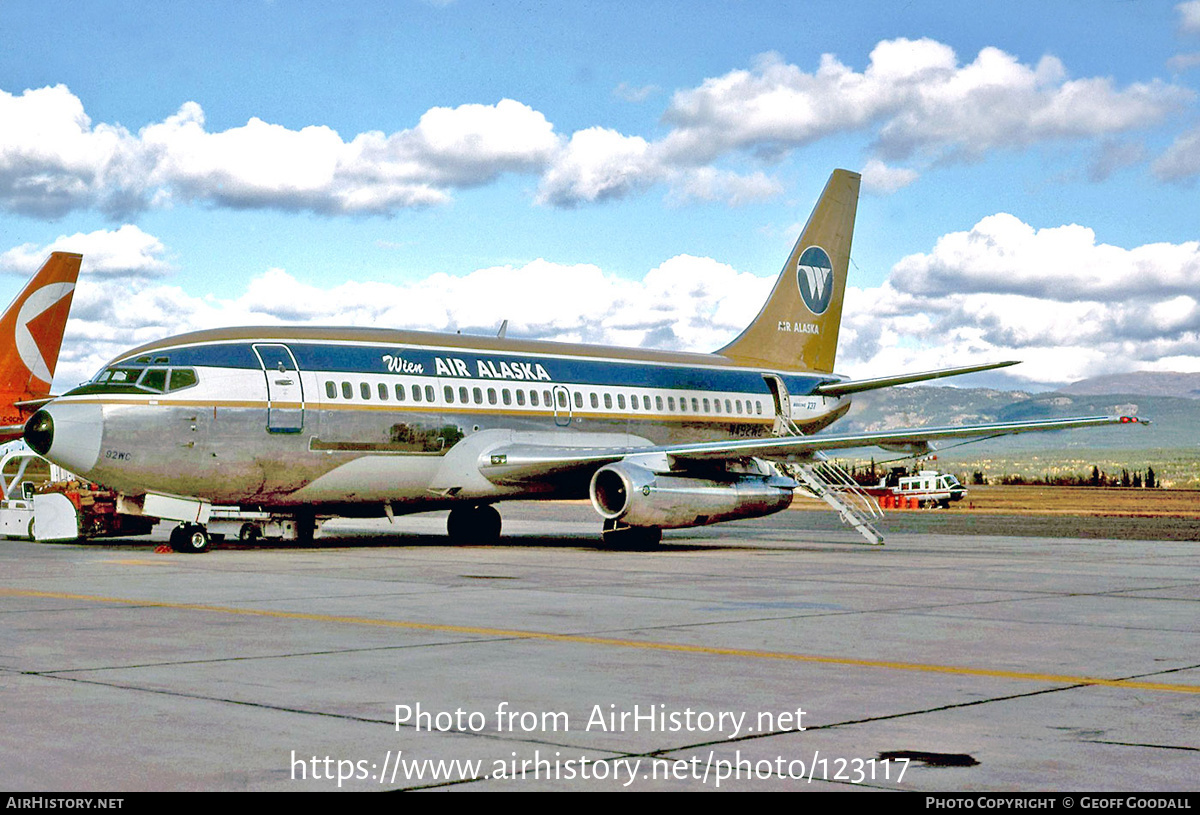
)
(833, 485)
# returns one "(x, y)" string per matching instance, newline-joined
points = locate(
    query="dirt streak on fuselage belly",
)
(362, 430)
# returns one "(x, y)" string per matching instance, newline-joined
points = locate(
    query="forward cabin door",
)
(285, 392)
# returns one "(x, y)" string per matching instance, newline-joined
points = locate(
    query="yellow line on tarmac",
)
(621, 643)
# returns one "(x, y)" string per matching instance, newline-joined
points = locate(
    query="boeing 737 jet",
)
(322, 422)
(31, 332)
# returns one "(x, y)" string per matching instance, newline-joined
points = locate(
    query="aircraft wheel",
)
(249, 532)
(190, 539)
(306, 527)
(478, 526)
(631, 537)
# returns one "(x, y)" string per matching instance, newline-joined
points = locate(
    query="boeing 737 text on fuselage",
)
(325, 422)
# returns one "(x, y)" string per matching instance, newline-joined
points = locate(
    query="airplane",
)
(31, 332)
(315, 423)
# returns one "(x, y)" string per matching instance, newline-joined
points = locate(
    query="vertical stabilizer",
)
(31, 332)
(797, 328)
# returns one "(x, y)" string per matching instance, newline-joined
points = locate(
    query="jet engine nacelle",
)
(636, 496)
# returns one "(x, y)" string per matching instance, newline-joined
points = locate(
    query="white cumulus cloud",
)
(54, 160)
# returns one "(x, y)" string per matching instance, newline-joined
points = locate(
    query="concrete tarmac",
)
(936, 662)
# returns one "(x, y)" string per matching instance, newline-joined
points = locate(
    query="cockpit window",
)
(182, 378)
(118, 376)
(155, 379)
(152, 379)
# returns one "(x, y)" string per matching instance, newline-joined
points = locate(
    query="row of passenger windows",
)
(546, 398)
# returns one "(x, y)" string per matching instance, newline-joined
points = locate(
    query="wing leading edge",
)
(518, 463)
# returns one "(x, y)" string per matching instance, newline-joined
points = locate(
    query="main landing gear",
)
(477, 525)
(630, 537)
(190, 539)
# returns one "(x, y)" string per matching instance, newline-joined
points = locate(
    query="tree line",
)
(868, 475)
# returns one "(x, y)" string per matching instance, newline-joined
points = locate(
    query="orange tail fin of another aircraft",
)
(31, 332)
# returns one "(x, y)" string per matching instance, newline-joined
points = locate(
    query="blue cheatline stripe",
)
(516, 369)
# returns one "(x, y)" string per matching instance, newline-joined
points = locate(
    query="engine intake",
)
(636, 496)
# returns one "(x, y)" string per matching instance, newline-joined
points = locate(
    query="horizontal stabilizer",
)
(859, 385)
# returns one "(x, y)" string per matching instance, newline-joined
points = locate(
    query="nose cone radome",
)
(67, 434)
(39, 432)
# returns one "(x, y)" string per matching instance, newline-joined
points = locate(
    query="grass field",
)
(1078, 501)
(1050, 512)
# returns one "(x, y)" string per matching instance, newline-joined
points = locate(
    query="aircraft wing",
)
(519, 463)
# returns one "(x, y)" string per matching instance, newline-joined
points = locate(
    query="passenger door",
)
(285, 392)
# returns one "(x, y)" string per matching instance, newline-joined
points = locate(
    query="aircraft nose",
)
(69, 435)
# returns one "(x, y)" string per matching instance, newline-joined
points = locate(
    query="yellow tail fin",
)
(797, 328)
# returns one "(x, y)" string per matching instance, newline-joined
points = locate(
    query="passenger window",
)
(645, 402)
(695, 405)
(346, 392)
(608, 401)
(463, 396)
(758, 406)
(416, 392)
(739, 407)
(671, 403)
(533, 398)
(578, 399)
(521, 396)
(448, 392)
(506, 396)
(683, 404)
(399, 393)
(478, 394)
(183, 378)
(491, 396)
(594, 400)
(365, 390)
(383, 392)
(717, 405)
(728, 406)
(658, 403)
(429, 396)
(706, 406)
(330, 390)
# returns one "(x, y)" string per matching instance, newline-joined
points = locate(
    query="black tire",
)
(306, 527)
(249, 532)
(190, 539)
(631, 538)
(474, 526)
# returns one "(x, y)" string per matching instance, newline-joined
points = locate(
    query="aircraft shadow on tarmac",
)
(410, 540)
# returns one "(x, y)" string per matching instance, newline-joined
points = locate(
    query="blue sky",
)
(631, 173)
